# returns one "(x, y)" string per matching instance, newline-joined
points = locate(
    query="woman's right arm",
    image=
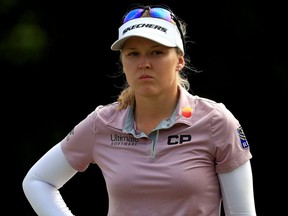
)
(42, 183)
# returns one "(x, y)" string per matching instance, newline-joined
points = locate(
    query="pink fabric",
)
(171, 172)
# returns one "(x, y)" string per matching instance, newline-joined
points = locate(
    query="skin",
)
(151, 70)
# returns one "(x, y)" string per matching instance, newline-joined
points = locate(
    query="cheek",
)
(171, 66)
(126, 68)
(127, 64)
(128, 71)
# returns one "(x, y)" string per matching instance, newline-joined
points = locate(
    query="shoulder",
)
(202, 101)
(203, 107)
(218, 108)
(107, 111)
(199, 103)
(221, 117)
(218, 113)
(109, 115)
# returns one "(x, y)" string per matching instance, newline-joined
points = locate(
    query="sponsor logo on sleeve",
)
(243, 140)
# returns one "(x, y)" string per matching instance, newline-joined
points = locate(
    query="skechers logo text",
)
(178, 139)
(143, 25)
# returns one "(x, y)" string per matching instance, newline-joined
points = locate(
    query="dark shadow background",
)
(56, 61)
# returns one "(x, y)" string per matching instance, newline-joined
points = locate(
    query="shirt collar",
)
(186, 103)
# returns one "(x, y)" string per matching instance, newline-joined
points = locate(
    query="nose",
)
(144, 63)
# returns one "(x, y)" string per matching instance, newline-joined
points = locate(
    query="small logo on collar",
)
(187, 111)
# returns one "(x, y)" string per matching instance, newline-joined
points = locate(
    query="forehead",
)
(136, 41)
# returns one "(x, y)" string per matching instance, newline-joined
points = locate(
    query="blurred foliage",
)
(22, 39)
(7, 5)
(24, 42)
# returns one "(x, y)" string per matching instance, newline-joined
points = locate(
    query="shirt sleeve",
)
(78, 145)
(228, 140)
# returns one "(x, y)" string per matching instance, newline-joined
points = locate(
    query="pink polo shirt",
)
(171, 172)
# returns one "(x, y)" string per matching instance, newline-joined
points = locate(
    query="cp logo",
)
(178, 139)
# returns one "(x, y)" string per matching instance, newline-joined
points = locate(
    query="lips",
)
(145, 76)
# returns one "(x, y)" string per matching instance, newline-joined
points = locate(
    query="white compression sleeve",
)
(237, 191)
(43, 180)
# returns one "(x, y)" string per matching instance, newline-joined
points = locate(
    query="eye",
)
(157, 52)
(133, 53)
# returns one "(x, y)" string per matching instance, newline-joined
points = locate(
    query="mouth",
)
(145, 76)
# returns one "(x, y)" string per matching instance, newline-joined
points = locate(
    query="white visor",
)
(158, 30)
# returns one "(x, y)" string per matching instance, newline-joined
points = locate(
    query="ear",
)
(181, 63)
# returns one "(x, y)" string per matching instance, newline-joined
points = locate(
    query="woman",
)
(162, 150)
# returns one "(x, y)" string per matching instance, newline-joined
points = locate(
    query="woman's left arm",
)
(237, 191)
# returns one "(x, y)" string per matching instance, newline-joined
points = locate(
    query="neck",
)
(149, 112)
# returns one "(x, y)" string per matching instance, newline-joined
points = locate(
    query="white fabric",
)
(158, 30)
(237, 191)
(43, 180)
